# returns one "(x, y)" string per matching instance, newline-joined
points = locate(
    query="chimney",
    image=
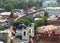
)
(11, 15)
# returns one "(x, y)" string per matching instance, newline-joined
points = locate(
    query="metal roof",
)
(52, 8)
(3, 20)
(5, 13)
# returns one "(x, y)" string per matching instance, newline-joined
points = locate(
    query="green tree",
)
(45, 18)
(20, 5)
(38, 23)
(30, 3)
(26, 22)
(16, 5)
(9, 7)
(1, 27)
(30, 18)
(40, 3)
(16, 24)
(50, 22)
(58, 1)
(45, 14)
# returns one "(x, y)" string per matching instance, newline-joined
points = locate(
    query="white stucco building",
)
(49, 3)
(24, 32)
(5, 35)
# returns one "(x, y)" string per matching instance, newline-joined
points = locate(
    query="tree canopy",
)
(58, 1)
(1, 27)
(27, 21)
(42, 22)
(9, 5)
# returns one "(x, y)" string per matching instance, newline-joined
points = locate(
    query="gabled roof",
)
(21, 27)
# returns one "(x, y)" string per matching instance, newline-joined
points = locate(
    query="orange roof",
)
(48, 27)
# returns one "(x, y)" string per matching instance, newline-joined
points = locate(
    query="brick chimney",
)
(11, 15)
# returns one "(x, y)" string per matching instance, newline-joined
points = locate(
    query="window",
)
(6, 21)
(24, 33)
(29, 30)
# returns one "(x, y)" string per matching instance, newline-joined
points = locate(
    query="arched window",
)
(29, 30)
(24, 33)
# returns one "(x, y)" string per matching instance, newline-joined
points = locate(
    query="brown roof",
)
(11, 15)
(48, 28)
(57, 23)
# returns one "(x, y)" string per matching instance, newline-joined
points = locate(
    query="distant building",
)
(49, 3)
(53, 11)
(30, 0)
(49, 29)
(16, 10)
(2, 10)
(4, 15)
(7, 19)
(39, 15)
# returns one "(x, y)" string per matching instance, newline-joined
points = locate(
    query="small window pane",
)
(29, 30)
(24, 33)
